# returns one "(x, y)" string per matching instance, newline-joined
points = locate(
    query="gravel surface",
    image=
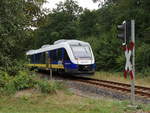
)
(87, 90)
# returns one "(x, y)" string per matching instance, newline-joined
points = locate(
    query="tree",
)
(62, 23)
(16, 21)
(88, 23)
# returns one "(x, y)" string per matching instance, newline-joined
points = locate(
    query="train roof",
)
(56, 45)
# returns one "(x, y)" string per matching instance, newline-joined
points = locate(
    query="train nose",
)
(85, 68)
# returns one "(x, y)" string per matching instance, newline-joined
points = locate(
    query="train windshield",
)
(81, 51)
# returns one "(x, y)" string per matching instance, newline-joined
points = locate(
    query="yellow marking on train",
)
(30, 65)
(60, 66)
(40, 65)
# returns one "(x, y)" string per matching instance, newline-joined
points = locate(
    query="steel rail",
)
(117, 83)
(140, 90)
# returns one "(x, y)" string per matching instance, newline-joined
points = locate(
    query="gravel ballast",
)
(95, 91)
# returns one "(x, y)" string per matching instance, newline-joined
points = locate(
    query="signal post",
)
(133, 62)
(127, 35)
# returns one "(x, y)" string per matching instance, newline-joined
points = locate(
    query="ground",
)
(63, 101)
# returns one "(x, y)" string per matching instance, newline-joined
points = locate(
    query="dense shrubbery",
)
(143, 59)
(25, 79)
(48, 86)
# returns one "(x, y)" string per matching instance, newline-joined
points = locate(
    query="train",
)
(73, 57)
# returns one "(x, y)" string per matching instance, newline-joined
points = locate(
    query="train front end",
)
(82, 59)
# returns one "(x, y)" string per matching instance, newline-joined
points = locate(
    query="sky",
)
(83, 3)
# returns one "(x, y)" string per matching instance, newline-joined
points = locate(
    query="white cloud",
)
(83, 3)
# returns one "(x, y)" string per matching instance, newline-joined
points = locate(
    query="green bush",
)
(11, 84)
(9, 88)
(146, 71)
(4, 78)
(12, 67)
(23, 80)
(7, 85)
(46, 86)
(142, 60)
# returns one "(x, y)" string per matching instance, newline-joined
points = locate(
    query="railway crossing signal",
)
(124, 31)
(128, 65)
(127, 34)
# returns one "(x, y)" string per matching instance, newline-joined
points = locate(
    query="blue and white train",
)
(68, 56)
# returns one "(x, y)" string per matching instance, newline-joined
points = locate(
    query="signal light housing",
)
(124, 31)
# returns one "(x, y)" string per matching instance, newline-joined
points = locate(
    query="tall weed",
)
(46, 86)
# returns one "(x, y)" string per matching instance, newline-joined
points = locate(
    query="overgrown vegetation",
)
(46, 86)
(23, 80)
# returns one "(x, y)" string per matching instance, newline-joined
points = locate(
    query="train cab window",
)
(81, 51)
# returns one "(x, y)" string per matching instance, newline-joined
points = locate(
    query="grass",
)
(139, 79)
(30, 101)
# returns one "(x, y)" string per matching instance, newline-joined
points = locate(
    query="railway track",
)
(111, 85)
(117, 86)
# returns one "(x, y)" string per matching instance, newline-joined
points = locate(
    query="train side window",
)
(66, 57)
(53, 55)
(32, 59)
(35, 58)
(59, 54)
(43, 57)
(40, 59)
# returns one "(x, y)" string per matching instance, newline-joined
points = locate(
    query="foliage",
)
(60, 24)
(11, 84)
(88, 24)
(16, 22)
(46, 86)
(143, 58)
(6, 83)
(25, 79)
